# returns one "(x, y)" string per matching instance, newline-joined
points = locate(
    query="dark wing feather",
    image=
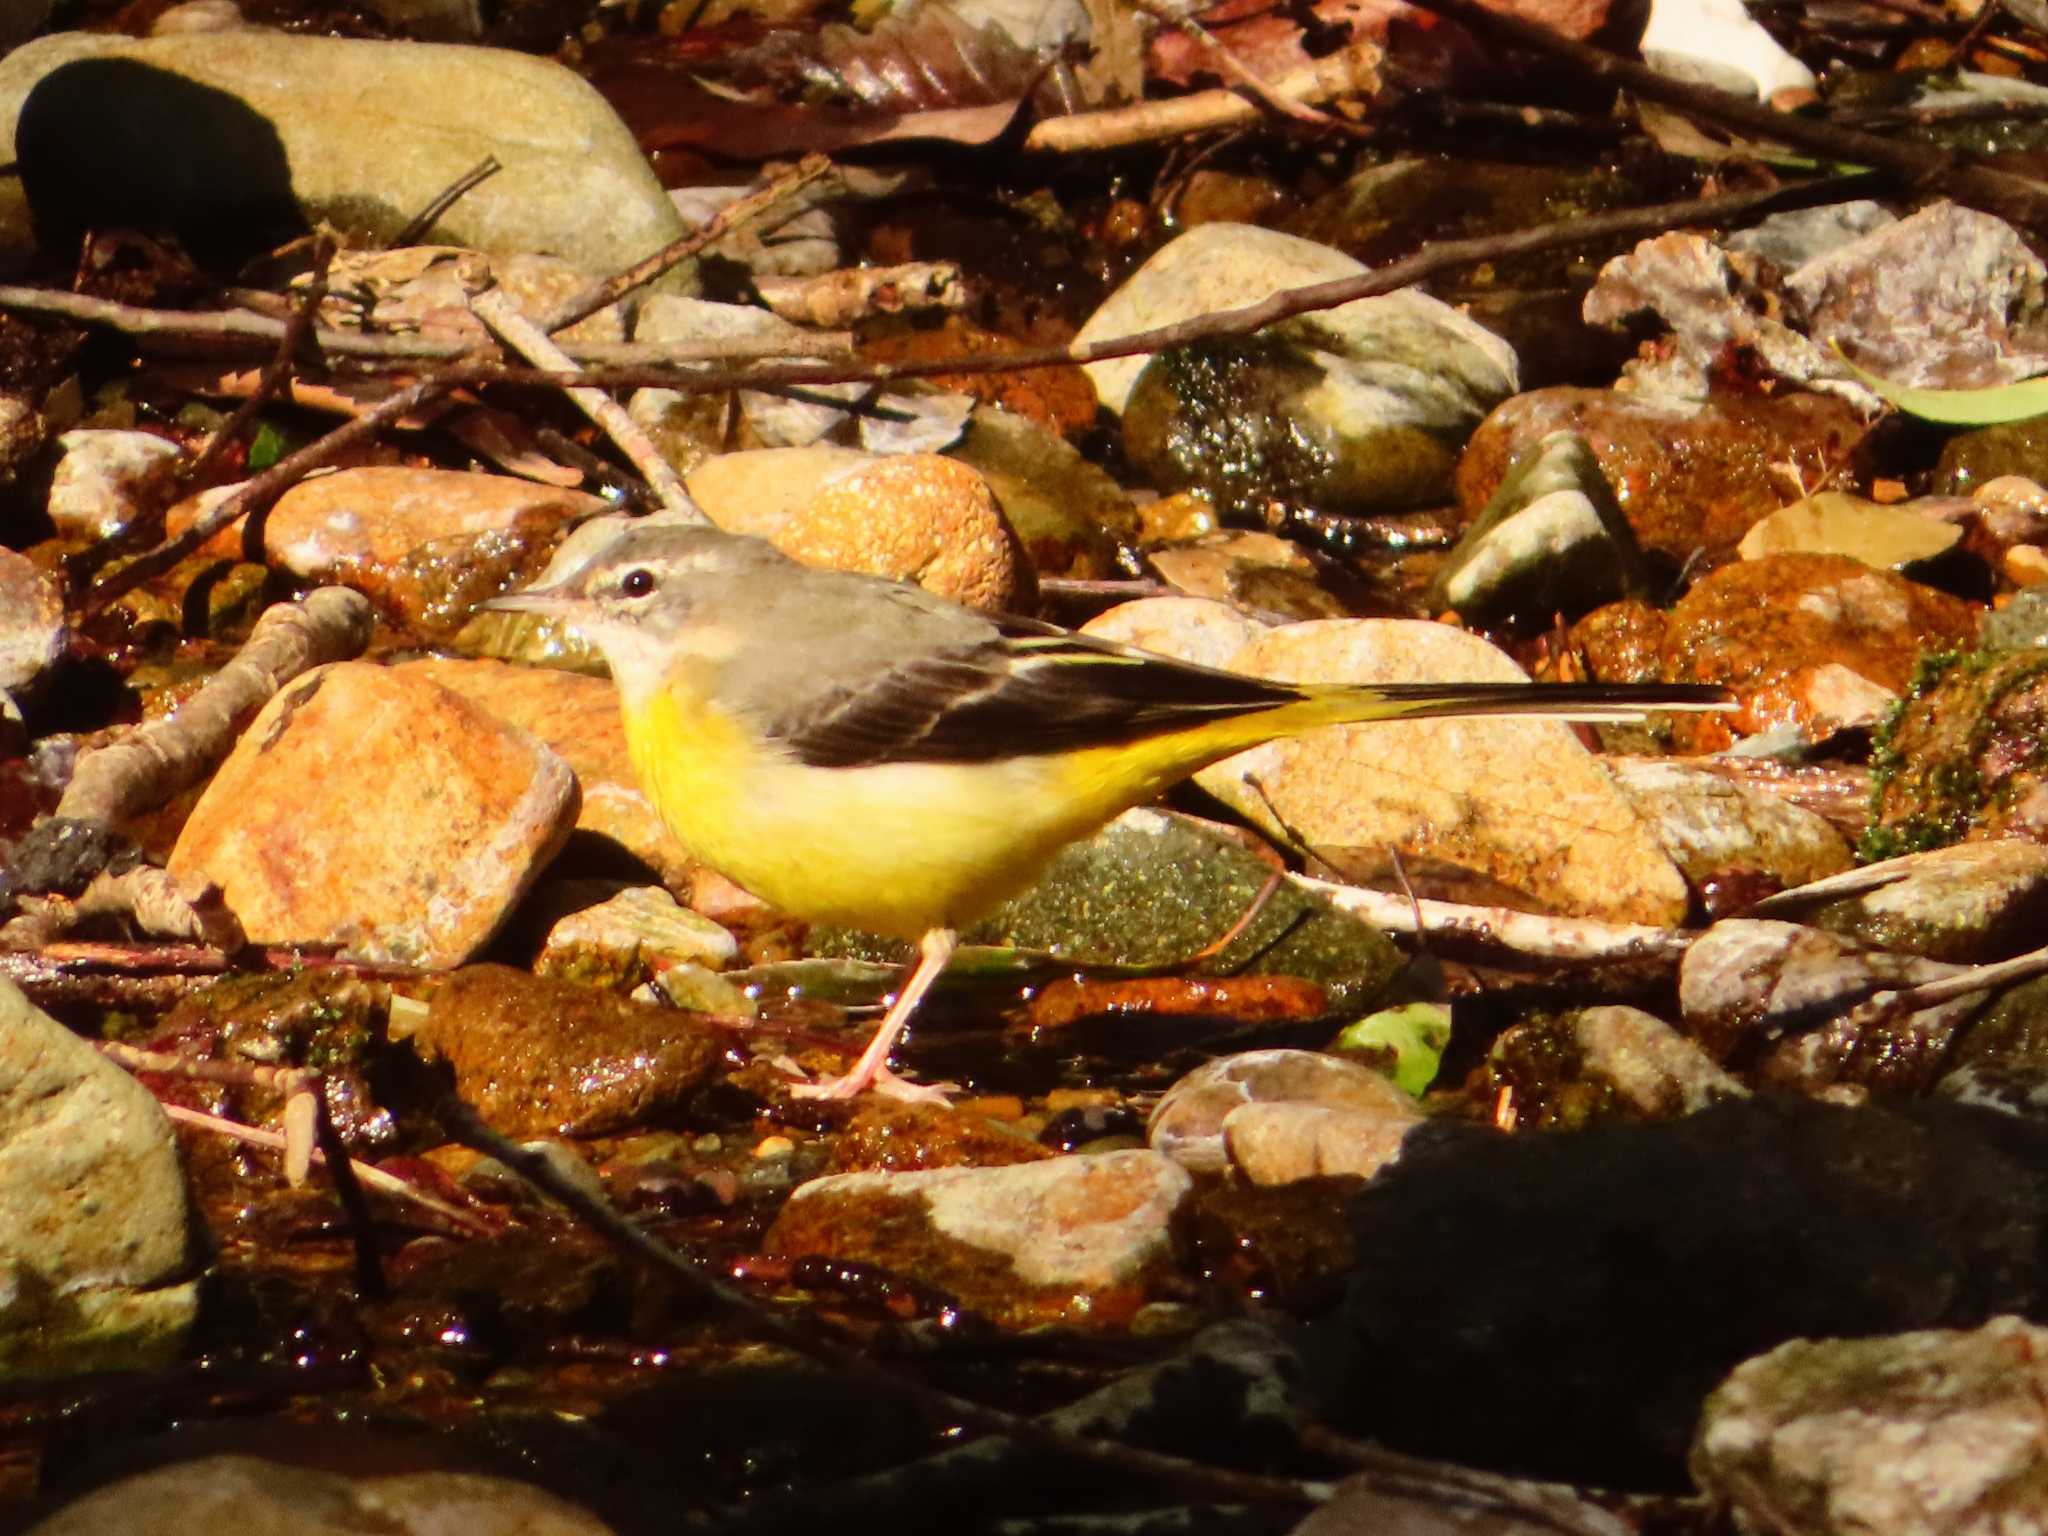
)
(1031, 689)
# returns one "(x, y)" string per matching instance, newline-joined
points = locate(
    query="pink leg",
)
(872, 1070)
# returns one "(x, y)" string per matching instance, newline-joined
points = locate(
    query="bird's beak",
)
(548, 600)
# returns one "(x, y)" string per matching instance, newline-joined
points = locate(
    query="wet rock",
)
(32, 629)
(243, 1493)
(1261, 573)
(233, 138)
(2002, 1058)
(94, 1242)
(1791, 239)
(1969, 903)
(1749, 983)
(1564, 1071)
(372, 809)
(1361, 1112)
(1973, 459)
(1153, 888)
(1287, 1244)
(889, 1136)
(104, 477)
(578, 718)
(1359, 408)
(1766, 628)
(1198, 629)
(536, 1057)
(910, 517)
(1713, 827)
(1836, 523)
(1690, 476)
(630, 936)
(426, 545)
(1069, 515)
(1551, 540)
(1934, 1433)
(1722, 1234)
(1078, 1240)
(2020, 625)
(1492, 810)
(1964, 758)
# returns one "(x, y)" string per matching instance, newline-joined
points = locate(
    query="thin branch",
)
(1881, 1006)
(531, 342)
(744, 210)
(1524, 933)
(416, 228)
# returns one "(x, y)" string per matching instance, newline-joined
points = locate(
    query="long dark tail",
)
(1593, 702)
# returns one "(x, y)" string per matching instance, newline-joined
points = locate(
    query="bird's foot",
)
(881, 1081)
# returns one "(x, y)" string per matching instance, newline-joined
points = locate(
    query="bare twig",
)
(744, 210)
(532, 343)
(416, 228)
(157, 760)
(1880, 1006)
(1276, 98)
(1525, 933)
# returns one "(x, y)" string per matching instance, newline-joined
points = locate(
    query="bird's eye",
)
(637, 583)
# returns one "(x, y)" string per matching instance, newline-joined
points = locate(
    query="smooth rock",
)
(1836, 523)
(254, 1497)
(1933, 1433)
(1284, 1143)
(1493, 810)
(1791, 239)
(1969, 903)
(1068, 514)
(1198, 629)
(1262, 574)
(1713, 827)
(1718, 43)
(98, 484)
(426, 545)
(909, 517)
(1190, 1123)
(1552, 539)
(372, 809)
(536, 1056)
(260, 133)
(2020, 625)
(1651, 1066)
(33, 633)
(577, 717)
(94, 1236)
(1689, 474)
(1153, 888)
(1566, 1071)
(1079, 1240)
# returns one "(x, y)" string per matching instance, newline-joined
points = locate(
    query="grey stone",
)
(246, 129)
(94, 1238)
(1551, 540)
(1711, 825)
(1935, 1433)
(1195, 1122)
(95, 487)
(1968, 903)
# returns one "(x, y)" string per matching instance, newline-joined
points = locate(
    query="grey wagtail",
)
(857, 751)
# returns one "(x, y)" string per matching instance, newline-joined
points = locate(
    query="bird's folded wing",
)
(1021, 693)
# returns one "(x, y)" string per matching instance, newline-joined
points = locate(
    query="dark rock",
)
(1561, 1304)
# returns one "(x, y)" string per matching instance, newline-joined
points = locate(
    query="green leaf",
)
(267, 447)
(1415, 1033)
(1961, 407)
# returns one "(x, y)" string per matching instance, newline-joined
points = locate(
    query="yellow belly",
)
(898, 848)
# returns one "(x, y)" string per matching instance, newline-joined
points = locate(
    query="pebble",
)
(1074, 1240)
(1938, 1432)
(370, 808)
(1836, 523)
(32, 629)
(210, 1494)
(96, 1248)
(1198, 629)
(639, 931)
(99, 483)
(909, 517)
(372, 132)
(1193, 1121)
(1283, 1143)
(1511, 811)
